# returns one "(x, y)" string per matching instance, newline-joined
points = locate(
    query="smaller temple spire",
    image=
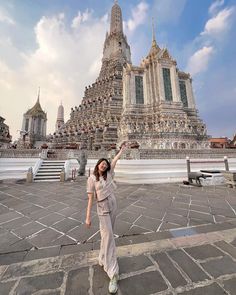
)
(154, 43)
(38, 95)
(155, 48)
(153, 30)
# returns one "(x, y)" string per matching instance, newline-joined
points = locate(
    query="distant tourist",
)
(102, 186)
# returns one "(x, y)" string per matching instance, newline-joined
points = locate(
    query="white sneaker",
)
(113, 287)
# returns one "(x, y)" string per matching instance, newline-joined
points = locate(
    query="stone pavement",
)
(171, 239)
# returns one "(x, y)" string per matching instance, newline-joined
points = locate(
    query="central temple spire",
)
(116, 50)
(116, 25)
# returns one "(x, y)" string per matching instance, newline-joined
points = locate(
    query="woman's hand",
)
(124, 146)
(88, 222)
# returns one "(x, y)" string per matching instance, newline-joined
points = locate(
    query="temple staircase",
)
(49, 170)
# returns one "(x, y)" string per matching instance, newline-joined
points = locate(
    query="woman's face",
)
(102, 167)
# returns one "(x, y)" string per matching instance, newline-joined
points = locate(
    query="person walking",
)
(101, 185)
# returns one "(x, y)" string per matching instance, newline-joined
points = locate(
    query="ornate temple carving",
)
(152, 104)
(5, 137)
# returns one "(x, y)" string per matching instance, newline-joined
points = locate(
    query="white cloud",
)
(5, 18)
(198, 62)
(139, 15)
(219, 23)
(215, 6)
(81, 18)
(64, 62)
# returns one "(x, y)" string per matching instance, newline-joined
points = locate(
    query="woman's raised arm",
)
(117, 157)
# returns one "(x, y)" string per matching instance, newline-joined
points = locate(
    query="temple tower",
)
(93, 124)
(33, 126)
(60, 117)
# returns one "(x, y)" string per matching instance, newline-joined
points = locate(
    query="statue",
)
(82, 163)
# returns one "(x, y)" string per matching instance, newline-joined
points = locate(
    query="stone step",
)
(42, 177)
(46, 180)
(48, 173)
(50, 168)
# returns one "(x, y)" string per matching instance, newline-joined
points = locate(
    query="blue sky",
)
(57, 45)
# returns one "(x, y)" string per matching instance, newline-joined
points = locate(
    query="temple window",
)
(183, 93)
(139, 89)
(167, 84)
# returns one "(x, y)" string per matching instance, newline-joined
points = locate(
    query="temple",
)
(33, 132)
(152, 104)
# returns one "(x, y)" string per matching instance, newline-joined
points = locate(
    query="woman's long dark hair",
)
(96, 172)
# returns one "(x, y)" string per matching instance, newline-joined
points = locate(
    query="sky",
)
(57, 45)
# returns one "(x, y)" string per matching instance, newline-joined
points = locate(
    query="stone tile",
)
(136, 230)
(44, 238)
(81, 233)
(211, 227)
(143, 284)
(178, 211)
(7, 239)
(27, 211)
(69, 249)
(9, 216)
(128, 216)
(31, 268)
(5, 288)
(173, 218)
(202, 209)
(135, 209)
(130, 264)
(193, 271)
(42, 253)
(229, 285)
(67, 211)
(168, 225)
(193, 222)
(157, 214)
(148, 223)
(224, 212)
(228, 248)
(63, 240)
(51, 219)
(169, 270)
(65, 225)
(100, 281)
(19, 245)
(121, 227)
(220, 267)
(57, 207)
(16, 223)
(213, 289)
(38, 214)
(30, 285)
(28, 229)
(6, 259)
(78, 282)
(202, 216)
(203, 252)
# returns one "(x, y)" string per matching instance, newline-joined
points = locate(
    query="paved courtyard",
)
(171, 239)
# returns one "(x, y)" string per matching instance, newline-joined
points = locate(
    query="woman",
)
(101, 185)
